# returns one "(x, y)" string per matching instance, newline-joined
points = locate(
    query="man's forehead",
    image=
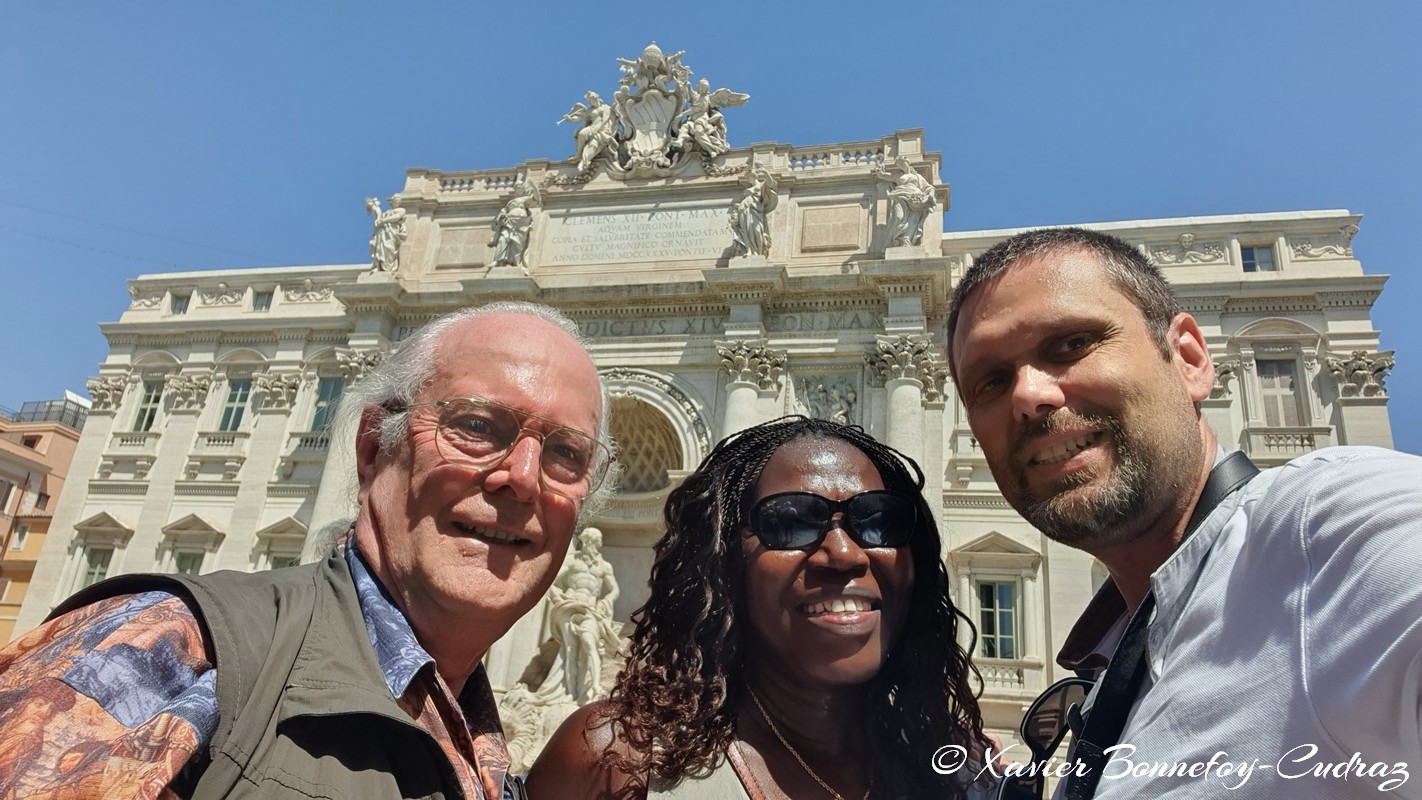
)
(517, 353)
(1064, 283)
(1054, 273)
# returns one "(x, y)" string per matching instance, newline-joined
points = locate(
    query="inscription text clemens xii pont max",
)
(636, 236)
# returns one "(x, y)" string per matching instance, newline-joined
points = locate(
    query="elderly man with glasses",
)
(479, 442)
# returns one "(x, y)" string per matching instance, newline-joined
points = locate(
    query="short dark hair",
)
(1128, 268)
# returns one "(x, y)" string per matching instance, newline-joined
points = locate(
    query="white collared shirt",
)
(1286, 641)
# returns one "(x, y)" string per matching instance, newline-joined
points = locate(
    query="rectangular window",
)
(21, 533)
(5, 489)
(236, 405)
(280, 562)
(31, 442)
(997, 618)
(41, 501)
(179, 303)
(328, 391)
(261, 301)
(1277, 384)
(96, 565)
(148, 406)
(1258, 259)
(187, 563)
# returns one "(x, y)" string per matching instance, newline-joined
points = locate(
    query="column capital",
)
(752, 361)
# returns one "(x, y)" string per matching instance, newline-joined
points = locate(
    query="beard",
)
(1145, 478)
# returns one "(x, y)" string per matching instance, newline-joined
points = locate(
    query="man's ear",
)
(368, 445)
(1192, 356)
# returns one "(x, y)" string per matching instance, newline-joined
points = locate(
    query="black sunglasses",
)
(1043, 727)
(800, 520)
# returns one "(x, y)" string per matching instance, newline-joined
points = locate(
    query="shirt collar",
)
(398, 652)
(1093, 638)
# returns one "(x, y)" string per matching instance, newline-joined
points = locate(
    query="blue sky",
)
(157, 136)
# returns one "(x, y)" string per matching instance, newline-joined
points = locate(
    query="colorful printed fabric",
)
(118, 699)
(111, 700)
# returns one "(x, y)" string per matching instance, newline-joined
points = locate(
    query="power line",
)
(111, 226)
(87, 247)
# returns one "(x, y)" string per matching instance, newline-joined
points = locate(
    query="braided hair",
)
(674, 704)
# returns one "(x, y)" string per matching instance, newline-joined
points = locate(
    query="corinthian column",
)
(754, 371)
(912, 375)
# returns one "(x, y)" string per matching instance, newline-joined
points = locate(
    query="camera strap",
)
(1122, 681)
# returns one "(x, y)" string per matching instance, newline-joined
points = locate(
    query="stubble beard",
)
(1129, 500)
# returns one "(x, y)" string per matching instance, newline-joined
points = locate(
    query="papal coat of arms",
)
(656, 123)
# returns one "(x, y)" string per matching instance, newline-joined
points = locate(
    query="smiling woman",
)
(799, 640)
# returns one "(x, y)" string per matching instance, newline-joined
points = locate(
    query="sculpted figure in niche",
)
(580, 618)
(910, 202)
(387, 236)
(750, 213)
(598, 135)
(512, 226)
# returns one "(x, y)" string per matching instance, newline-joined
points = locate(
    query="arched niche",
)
(675, 404)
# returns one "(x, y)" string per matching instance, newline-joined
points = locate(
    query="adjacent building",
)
(719, 287)
(36, 446)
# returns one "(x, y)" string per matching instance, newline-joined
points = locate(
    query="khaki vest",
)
(305, 710)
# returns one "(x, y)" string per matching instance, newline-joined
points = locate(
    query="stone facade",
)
(842, 316)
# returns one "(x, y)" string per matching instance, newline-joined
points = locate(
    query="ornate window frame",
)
(995, 557)
(283, 539)
(190, 534)
(103, 531)
(1280, 339)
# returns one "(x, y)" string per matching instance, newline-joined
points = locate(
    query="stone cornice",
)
(191, 488)
(746, 285)
(926, 278)
(975, 500)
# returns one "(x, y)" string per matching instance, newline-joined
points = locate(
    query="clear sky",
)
(156, 136)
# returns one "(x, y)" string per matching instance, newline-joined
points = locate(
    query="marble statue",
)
(911, 201)
(703, 127)
(598, 136)
(579, 657)
(656, 123)
(513, 225)
(750, 214)
(388, 234)
(580, 618)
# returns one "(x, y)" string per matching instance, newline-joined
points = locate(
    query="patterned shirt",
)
(119, 699)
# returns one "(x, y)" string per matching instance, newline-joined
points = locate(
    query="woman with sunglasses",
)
(799, 640)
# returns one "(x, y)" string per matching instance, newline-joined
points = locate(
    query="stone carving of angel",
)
(704, 127)
(512, 226)
(911, 200)
(750, 214)
(598, 135)
(387, 235)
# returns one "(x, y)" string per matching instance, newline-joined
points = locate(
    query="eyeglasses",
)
(1043, 727)
(800, 520)
(479, 434)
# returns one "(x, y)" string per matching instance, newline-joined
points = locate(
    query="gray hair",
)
(395, 383)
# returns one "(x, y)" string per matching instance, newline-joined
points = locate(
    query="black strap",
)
(1124, 676)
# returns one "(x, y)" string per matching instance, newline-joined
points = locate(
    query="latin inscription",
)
(703, 326)
(681, 234)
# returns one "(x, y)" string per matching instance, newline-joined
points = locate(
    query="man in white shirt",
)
(1284, 653)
